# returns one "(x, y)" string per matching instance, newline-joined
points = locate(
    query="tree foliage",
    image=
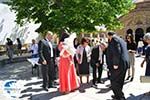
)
(77, 15)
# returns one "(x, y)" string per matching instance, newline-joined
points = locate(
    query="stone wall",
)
(137, 19)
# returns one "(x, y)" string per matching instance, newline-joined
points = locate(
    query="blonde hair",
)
(104, 43)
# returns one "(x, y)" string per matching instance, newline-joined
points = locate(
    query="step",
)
(15, 60)
(145, 79)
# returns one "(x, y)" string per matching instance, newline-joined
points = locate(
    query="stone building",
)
(137, 21)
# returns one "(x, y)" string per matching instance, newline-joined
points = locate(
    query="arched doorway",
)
(148, 29)
(139, 33)
(129, 31)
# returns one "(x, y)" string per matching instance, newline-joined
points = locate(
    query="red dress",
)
(67, 74)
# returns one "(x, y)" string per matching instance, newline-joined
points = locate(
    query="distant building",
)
(137, 21)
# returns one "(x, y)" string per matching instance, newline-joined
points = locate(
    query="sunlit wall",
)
(9, 29)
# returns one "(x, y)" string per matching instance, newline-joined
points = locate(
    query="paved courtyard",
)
(28, 86)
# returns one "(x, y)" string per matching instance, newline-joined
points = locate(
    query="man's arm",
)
(93, 56)
(40, 51)
(116, 54)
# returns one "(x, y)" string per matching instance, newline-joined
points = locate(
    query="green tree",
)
(77, 15)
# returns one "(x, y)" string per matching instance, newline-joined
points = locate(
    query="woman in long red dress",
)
(67, 74)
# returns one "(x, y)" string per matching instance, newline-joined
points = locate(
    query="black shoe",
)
(128, 78)
(45, 88)
(56, 83)
(52, 86)
(123, 98)
(94, 85)
(131, 79)
(102, 82)
(114, 97)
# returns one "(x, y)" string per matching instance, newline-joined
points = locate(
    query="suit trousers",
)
(48, 73)
(100, 69)
(117, 81)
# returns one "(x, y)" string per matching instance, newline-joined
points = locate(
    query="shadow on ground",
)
(105, 90)
(139, 97)
(45, 96)
(17, 71)
(33, 83)
(84, 86)
(50, 95)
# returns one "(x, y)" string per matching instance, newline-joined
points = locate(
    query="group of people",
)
(10, 48)
(67, 73)
(74, 61)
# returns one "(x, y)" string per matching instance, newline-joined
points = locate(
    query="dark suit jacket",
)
(95, 55)
(117, 54)
(44, 51)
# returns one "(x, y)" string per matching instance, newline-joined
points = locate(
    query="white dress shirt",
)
(100, 54)
(34, 48)
(51, 46)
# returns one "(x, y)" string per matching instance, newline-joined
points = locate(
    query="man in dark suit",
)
(118, 62)
(97, 62)
(46, 55)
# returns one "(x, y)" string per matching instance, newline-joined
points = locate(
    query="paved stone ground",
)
(30, 86)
